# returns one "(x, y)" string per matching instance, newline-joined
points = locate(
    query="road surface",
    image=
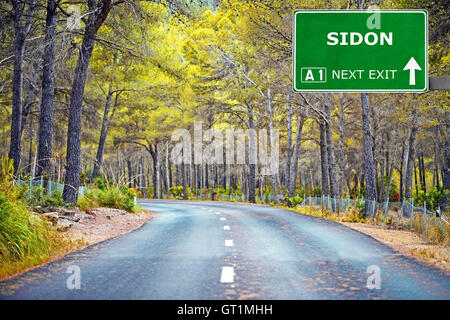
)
(217, 250)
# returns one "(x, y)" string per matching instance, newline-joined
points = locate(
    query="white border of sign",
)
(423, 11)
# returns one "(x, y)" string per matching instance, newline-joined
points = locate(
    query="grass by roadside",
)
(30, 230)
(104, 194)
(26, 239)
(407, 243)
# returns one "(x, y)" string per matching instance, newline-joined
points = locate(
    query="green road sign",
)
(360, 51)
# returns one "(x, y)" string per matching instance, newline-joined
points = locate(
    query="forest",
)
(92, 92)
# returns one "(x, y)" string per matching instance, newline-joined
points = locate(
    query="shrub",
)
(353, 215)
(111, 196)
(25, 238)
(432, 197)
(176, 191)
(294, 201)
(37, 197)
(100, 182)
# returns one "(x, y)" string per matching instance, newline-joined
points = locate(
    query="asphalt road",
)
(214, 250)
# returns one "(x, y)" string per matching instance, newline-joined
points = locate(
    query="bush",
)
(38, 197)
(25, 238)
(293, 201)
(432, 197)
(100, 182)
(111, 196)
(353, 215)
(176, 191)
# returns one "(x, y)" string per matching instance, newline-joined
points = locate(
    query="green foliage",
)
(21, 233)
(100, 182)
(111, 196)
(34, 196)
(221, 191)
(360, 205)
(293, 201)
(176, 191)
(432, 197)
(25, 238)
(150, 191)
(355, 215)
(306, 192)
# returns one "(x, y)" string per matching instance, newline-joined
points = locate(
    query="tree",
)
(369, 171)
(330, 147)
(20, 32)
(98, 12)
(48, 91)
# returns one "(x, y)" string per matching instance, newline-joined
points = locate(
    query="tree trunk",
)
(436, 156)
(99, 11)
(401, 171)
(130, 174)
(289, 143)
(381, 193)
(48, 92)
(167, 169)
(391, 167)
(423, 182)
(341, 150)
(20, 33)
(31, 91)
(446, 174)
(273, 174)
(103, 132)
(295, 156)
(415, 179)
(411, 156)
(154, 154)
(252, 155)
(323, 158)
(330, 148)
(211, 181)
(369, 172)
(183, 178)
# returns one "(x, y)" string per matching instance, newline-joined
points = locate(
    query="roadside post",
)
(425, 216)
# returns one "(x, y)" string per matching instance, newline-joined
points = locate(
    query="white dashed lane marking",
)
(229, 243)
(223, 219)
(227, 275)
(226, 227)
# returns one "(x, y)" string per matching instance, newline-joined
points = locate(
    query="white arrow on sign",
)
(412, 66)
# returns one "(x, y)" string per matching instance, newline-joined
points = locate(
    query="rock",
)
(73, 218)
(51, 217)
(68, 214)
(63, 225)
(87, 217)
(91, 213)
(108, 217)
(43, 210)
(39, 209)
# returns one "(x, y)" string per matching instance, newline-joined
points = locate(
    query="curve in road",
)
(217, 250)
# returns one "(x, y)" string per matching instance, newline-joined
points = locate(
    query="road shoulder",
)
(407, 243)
(96, 226)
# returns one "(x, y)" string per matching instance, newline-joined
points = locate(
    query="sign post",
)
(360, 51)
